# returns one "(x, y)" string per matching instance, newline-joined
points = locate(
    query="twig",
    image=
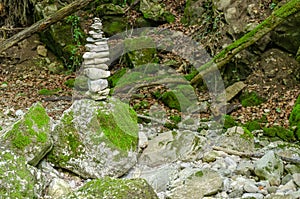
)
(255, 155)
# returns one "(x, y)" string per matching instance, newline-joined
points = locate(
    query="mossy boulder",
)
(113, 25)
(115, 188)
(176, 99)
(294, 118)
(280, 132)
(155, 10)
(141, 51)
(109, 9)
(96, 139)
(30, 136)
(18, 179)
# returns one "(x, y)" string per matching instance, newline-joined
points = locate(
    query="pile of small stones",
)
(94, 65)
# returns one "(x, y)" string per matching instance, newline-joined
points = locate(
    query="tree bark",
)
(44, 23)
(222, 58)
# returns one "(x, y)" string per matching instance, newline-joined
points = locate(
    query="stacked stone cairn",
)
(94, 65)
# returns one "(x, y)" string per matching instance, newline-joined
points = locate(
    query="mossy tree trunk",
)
(224, 57)
(44, 23)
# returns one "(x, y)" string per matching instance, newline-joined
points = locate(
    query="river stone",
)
(96, 139)
(96, 73)
(95, 61)
(170, 146)
(253, 195)
(100, 66)
(57, 188)
(95, 55)
(114, 188)
(269, 167)
(97, 85)
(18, 179)
(296, 177)
(201, 183)
(30, 136)
(96, 48)
(237, 139)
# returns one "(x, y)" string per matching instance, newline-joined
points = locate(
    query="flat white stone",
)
(95, 32)
(96, 73)
(100, 66)
(95, 61)
(94, 55)
(90, 39)
(102, 42)
(97, 85)
(97, 26)
(100, 48)
(97, 36)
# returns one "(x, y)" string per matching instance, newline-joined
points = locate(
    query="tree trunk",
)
(222, 58)
(44, 23)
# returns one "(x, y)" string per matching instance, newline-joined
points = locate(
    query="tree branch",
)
(44, 23)
(222, 58)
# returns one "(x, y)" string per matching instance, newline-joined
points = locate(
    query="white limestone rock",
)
(96, 73)
(97, 85)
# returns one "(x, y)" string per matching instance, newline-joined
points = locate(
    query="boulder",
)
(269, 167)
(17, 178)
(114, 188)
(30, 136)
(96, 139)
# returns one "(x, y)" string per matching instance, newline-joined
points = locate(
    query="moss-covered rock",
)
(280, 132)
(30, 136)
(18, 179)
(96, 139)
(154, 10)
(294, 118)
(229, 122)
(113, 79)
(253, 125)
(114, 188)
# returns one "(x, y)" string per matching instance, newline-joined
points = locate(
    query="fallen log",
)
(224, 57)
(44, 23)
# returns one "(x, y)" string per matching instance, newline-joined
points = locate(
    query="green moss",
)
(170, 99)
(170, 125)
(247, 134)
(191, 75)
(120, 129)
(199, 174)
(115, 188)
(294, 118)
(251, 99)
(31, 129)
(113, 80)
(70, 83)
(48, 92)
(280, 132)
(175, 118)
(229, 122)
(169, 17)
(253, 125)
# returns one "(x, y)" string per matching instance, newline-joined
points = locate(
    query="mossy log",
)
(224, 57)
(44, 23)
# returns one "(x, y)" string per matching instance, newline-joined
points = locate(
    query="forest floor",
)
(24, 74)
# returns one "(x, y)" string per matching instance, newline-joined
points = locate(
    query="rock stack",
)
(94, 65)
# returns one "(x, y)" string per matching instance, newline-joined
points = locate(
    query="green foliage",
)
(169, 99)
(247, 134)
(77, 34)
(141, 105)
(191, 75)
(170, 125)
(251, 99)
(294, 118)
(175, 118)
(280, 132)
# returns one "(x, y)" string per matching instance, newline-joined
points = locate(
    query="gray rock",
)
(296, 178)
(42, 51)
(96, 139)
(95, 55)
(251, 187)
(95, 61)
(291, 168)
(57, 188)
(210, 156)
(97, 85)
(18, 179)
(288, 186)
(114, 188)
(30, 136)
(269, 167)
(96, 73)
(253, 195)
(97, 48)
(199, 184)
(100, 66)
(245, 168)
(170, 146)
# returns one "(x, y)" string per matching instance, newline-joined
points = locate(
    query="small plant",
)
(70, 83)
(48, 92)
(251, 99)
(77, 37)
(272, 6)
